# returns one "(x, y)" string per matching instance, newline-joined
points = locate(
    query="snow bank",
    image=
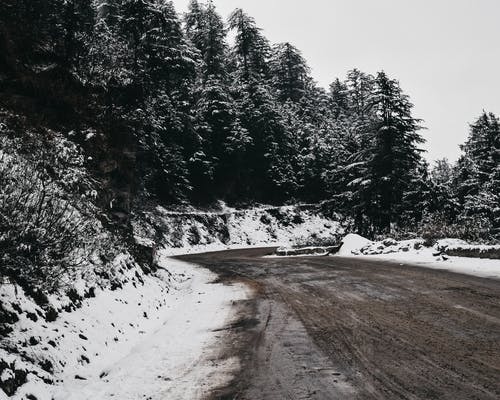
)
(426, 257)
(352, 243)
(152, 340)
(413, 252)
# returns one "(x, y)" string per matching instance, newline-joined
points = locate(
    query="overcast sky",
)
(445, 53)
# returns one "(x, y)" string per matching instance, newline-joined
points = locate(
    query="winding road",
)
(347, 328)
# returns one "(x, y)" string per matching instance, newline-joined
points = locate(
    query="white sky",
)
(445, 53)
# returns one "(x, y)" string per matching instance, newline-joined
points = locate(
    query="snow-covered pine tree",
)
(360, 88)
(315, 139)
(390, 161)
(153, 96)
(443, 202)
(480, 147)
(442, 172)
(289, 72)
(216, 115)
(339, 98)
(477, 172)
(205, 28)
(194, 21)
(261, 115)
(251, 50)
(257, 107)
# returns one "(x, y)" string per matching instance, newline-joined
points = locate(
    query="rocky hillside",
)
(194, 230)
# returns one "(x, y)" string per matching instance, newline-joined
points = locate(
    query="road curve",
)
(347, 328)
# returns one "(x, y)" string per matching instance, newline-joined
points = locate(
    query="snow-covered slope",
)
(150, 339)
(194, 231)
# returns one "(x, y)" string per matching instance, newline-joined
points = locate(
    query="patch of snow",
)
(6, 375)
(452, 244)
(484, 268)
(90, 133)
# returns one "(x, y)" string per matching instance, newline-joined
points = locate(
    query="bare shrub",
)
(45, 235)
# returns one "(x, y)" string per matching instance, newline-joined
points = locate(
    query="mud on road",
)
(346, 328)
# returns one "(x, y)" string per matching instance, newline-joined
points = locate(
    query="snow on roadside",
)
(196, 231)
(155, 341)
(484, 268)
(413, 252)
(352, 243)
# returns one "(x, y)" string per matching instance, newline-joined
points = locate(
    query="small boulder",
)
(389, 242)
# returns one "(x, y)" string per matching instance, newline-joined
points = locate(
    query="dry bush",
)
(46, 234)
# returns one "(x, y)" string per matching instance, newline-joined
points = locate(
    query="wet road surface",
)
(347, 328)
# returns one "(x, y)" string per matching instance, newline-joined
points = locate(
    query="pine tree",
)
(261, 117)
(194, 21)
(314, 140)
(154, 39)
(289, 72)
(258, 110)
(417, 199)
(218, 124)
(150, 97)
(389, 164)
(205, 28)
(216, 115)
(339, 99)
(477, 173)
(360, 88)
(251, 50)
(480, 148)
(442, 172)
(443, 192)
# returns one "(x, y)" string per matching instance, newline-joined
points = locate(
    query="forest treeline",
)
(169, 109)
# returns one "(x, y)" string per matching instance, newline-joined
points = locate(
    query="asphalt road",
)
(346, 328)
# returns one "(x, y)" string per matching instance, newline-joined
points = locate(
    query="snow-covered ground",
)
(413, 252)
(152, 341)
